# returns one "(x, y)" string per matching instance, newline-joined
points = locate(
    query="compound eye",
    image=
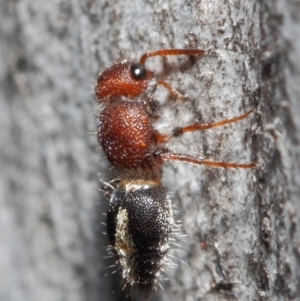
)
(138, 71)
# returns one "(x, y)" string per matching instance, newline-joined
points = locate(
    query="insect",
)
(140, 219)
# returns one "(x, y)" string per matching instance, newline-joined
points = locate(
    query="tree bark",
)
(242, 226)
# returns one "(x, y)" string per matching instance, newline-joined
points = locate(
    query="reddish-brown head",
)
(133, 79)
(128, 79)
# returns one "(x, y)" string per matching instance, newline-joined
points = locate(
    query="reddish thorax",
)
(126, 134)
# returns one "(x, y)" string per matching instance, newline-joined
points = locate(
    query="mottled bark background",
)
(242, 226)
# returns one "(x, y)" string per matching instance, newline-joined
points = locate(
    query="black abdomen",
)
(139, 223)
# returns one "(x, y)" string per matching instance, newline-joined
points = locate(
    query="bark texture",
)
(242, 226)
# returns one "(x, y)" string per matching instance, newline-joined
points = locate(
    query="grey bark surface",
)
(242, 226)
